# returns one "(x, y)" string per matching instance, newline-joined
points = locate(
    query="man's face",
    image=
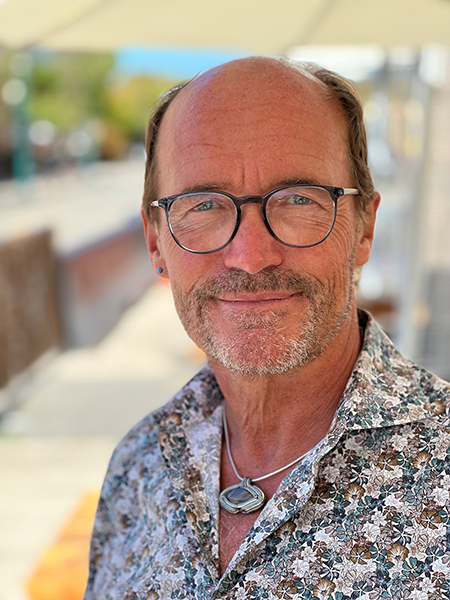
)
(257, 306)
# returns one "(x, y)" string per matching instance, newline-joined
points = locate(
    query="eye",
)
(299, 200)
(204, 206)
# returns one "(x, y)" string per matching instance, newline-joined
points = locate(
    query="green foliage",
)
(5, 57)
(128, 103)
(70, 89)
(82, 91)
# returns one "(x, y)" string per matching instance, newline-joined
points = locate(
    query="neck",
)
(274, 419)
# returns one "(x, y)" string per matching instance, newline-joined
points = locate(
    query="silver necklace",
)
(245, 497)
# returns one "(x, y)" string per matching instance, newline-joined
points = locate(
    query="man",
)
(308, 459)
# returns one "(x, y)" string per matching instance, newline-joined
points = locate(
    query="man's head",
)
(245, 128)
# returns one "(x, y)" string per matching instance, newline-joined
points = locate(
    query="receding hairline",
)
(247, 67)
(202, 82)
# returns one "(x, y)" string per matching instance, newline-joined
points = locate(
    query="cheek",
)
(343, 239)
(332, 261)
(184, 269)
(339, 248)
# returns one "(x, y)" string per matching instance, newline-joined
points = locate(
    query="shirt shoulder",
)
(140, 447)
(387, 388)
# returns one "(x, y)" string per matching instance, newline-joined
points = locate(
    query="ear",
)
(152, 239)
(366, 231)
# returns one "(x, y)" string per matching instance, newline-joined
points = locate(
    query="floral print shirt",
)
(365, 515)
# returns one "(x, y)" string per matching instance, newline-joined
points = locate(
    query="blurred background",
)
(89, 339)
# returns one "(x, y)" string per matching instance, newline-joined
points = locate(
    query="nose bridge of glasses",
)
(253, 246)
(239, 202)
(246, 219)
(249, 200)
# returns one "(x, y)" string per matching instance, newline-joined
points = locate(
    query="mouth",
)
(259, 300)
(234, 293)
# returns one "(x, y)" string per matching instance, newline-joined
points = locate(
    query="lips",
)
(270, 289)
(260, 302)
(269, 296)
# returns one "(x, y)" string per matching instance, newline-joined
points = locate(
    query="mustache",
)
(271, 279)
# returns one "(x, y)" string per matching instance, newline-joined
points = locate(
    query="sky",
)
(170, 62)
(179, 64)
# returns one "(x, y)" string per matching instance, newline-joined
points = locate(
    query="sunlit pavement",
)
(79, 204)
(54, 450)
(63, 569)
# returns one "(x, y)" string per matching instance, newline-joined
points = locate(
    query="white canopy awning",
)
(256, 26)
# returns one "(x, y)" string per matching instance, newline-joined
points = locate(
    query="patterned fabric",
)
(365, 515)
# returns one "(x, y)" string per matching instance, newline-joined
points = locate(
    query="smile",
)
(257, 301)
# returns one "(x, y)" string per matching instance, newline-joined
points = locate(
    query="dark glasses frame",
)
(334, 192)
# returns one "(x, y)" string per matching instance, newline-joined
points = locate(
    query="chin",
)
(270, 343)
(263, 353)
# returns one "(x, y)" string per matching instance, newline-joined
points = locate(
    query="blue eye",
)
(206, 205)
(299, 200)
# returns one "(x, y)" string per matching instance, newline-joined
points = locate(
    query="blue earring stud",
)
(160, 270)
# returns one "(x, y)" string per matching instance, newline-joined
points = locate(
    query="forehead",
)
(255, 118)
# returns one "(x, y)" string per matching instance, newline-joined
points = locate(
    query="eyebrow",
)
(204, 187)
(222, 187)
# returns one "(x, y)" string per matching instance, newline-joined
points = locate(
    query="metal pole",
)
(412, 297)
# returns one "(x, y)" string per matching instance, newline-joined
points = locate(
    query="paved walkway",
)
(57, 446)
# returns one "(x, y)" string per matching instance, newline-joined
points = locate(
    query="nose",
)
(253, 248)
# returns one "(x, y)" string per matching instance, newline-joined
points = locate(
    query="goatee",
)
(260, 344)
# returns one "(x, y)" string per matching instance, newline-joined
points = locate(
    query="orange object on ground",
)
(62, 571)
(194, 355)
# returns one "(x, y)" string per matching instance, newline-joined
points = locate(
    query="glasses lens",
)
(202, 221)
(300, 216)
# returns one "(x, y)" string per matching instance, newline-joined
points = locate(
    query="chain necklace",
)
(245, 497)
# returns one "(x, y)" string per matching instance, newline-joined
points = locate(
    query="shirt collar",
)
(386, 388)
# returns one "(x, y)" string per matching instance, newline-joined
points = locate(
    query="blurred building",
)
(433, 311)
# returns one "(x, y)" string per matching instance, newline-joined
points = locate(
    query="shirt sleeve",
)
(117, 510)
(103, 532)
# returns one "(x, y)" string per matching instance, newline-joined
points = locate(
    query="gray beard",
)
(261, 346)
(264, 352)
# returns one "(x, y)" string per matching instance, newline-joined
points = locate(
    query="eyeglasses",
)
(298, 216)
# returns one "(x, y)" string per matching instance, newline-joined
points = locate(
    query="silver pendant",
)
(243, 497)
